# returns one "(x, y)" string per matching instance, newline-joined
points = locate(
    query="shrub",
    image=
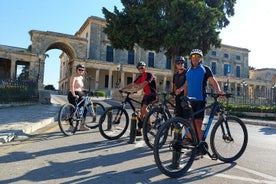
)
(99, 93)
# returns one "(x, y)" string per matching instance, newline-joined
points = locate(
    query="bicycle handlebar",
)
(126, 92)
(216, 95)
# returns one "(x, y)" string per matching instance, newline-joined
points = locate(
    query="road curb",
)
(10, 135)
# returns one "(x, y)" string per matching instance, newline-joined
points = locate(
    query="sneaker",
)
(70, 129)
(83, 128)
(138, 133)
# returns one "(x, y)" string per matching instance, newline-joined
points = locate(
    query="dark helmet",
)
(140, 63)
(179, 58)
(196, 51)
(79, 66)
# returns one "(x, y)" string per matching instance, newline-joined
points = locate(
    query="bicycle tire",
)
(114, 122)
(156, 116)
(174, 157)
(229, 146)
(67, 118)
(93, 115)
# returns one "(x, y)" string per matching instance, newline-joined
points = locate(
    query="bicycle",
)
(228, 140)
(156, 117)
(115, 120)
(69, 116)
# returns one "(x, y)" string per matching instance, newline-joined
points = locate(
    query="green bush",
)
(99, 93)
(250, 108)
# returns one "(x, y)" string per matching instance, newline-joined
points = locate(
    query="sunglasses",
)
(180, 63)
(140, 68)
(81, 70)
(195, 56)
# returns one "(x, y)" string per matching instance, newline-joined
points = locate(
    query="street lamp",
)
(118, 69)
(243, 85)
(273, 88)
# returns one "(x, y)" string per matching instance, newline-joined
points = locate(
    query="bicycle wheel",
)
(93, 114)
(229, 139)
(114, 122)
(176, 155)
(152, 121)
(67, 119)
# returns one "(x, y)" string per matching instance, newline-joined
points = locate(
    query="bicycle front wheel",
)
(114, 122)
(174, 153)
(152, 121)
(67, 119)
(93, 114)
(229, 139)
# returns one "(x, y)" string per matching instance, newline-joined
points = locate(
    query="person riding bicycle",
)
(179, 79)
(145, 81)
(77, 91)
(195, 86)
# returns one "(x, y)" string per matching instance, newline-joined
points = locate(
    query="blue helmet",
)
(179, 58)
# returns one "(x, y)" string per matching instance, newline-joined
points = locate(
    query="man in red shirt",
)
(145, 81)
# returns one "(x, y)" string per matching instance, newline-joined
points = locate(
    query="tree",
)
(172, 26)
(24, 75)
(49, 87)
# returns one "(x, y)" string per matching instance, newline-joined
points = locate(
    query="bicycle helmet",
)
(79, 66)
(196, 51)
(140, 63)
(179, 58)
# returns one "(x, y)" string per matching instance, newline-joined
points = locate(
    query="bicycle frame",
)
(85, 100)
(214, 109)
(129, 100)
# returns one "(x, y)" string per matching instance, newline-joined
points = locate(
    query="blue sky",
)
(251, 27)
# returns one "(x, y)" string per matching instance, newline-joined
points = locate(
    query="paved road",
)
(24, 120)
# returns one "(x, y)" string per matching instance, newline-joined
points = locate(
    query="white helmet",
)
(196, 51)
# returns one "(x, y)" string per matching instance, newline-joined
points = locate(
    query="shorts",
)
(72, 100)
(148, 99)
(198, 105)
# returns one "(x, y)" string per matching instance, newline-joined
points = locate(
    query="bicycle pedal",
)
(214, 157)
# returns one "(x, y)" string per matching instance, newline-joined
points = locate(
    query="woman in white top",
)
(76, 90)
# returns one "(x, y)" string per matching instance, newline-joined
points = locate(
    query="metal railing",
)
(18, 91)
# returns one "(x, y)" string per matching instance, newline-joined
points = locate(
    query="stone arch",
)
(75, 48)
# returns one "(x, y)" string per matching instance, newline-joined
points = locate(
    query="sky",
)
(251, 27)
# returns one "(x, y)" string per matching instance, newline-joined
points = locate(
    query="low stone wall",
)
(44, 96)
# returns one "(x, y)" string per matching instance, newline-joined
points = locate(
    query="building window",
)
(238, 57)
(238, 71)
(227, 69)
(226, 55)
(214, 67)
(151, 59)
(168, 63)
(131, 57)
(109, 53)
(129, 80)
(214, 53)
(106, 81)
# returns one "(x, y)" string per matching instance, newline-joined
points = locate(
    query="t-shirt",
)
(179, 80)
(197, 81)
(150, 88)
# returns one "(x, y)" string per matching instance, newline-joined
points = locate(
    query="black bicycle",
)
(175, 156)
(156, 117)
(115, 120)
(70, 117)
